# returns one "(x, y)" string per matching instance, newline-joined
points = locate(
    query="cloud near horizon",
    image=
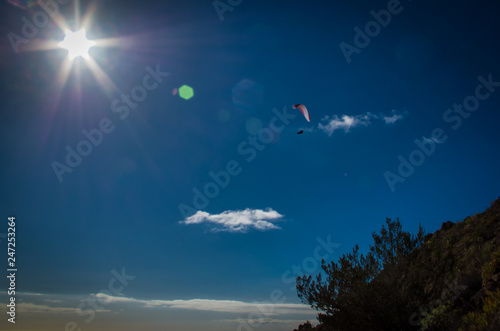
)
(45, 304)
(225, 306)
(346, 122)
(237, 220)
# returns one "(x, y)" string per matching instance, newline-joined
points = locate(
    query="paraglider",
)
(304, 111)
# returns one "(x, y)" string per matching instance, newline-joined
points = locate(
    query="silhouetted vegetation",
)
(448, 280)
(308, 326)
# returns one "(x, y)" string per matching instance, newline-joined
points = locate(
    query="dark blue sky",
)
(433, 67)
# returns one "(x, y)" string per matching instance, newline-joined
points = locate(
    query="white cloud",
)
(346, 122)
(38, 303)
(222, 306)
(294, 322)
(31, 293)
(33, 308)
(237, 220)
(396, 116)
(432, 140)
(227, 311)
(392, 118)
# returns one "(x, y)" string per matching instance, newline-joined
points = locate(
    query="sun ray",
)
(41, 45)
(60, 21)
(87, 19)
(79, 58)
(122, 42)
(77, 13)
(62, 78)
(101, 77)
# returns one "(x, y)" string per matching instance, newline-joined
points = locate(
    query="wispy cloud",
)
(396, 116)
(432, 140)
(38, 303)
(237, 220)
(345, 122)
(226, 306)
(295, 322)
(33, 308)
(218, 310)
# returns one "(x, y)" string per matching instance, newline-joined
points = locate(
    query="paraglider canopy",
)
(304, 111)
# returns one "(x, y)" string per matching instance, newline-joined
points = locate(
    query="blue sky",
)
(281, 200)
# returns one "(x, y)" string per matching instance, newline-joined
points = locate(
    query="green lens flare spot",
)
(186, 92)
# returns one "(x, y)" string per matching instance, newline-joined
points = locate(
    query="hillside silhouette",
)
(447, 280)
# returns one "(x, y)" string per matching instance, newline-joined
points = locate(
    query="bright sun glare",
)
(77, 44)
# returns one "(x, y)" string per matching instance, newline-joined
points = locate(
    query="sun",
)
(77, 44)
